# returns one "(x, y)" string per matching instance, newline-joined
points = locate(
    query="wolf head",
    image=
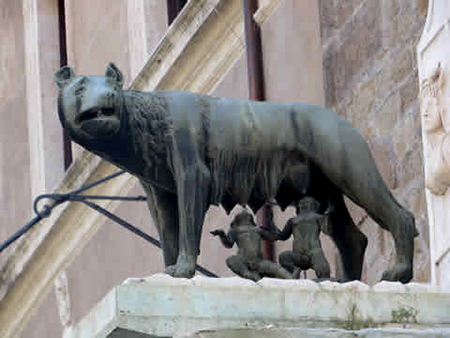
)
(89, 107)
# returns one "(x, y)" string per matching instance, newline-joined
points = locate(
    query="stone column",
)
(41, 61)
(433, 54)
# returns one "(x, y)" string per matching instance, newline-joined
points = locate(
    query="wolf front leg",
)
(193, 181)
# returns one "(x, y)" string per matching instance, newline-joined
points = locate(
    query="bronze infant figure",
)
(307, 250)
(191, 150)
(248, 262)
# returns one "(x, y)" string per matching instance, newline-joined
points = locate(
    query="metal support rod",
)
(67, 145)
(254, 52)
(173, 8)
(74, 196)
(256, 92)
(139, 233)
(19, 233)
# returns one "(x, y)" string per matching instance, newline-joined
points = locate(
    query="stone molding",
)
(433, 55)
(159, 306)
(436, 130)
(198, 50)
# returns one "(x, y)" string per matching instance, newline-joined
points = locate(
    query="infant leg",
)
(271, 269)
(286, 261)
(319, 263)
(239, 266)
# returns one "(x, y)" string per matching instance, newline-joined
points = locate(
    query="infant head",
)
(308, 204)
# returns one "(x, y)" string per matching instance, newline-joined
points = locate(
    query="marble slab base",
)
(162, 306)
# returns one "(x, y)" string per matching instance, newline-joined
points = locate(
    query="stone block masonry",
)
(161, 306)
(371, 79)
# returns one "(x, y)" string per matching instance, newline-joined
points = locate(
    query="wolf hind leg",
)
(350, 241)
(363, 184)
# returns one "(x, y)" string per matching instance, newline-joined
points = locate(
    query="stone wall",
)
(16, 137)
(371, 79)
(15, 191)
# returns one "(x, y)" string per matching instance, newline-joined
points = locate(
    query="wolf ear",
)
(63, 76)
(114, 73)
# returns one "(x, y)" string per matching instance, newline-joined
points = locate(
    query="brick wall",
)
(370, 76)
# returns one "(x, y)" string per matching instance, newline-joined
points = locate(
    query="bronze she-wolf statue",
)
(190, 151)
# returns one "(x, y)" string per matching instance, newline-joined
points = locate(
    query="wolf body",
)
(190, 151)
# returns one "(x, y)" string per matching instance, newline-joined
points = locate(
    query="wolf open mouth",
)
(93, 114)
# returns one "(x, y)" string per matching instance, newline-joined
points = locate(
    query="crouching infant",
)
(307, 250)
(248, 262)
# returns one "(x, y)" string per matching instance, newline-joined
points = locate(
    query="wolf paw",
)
(181, 270)
(399, 273)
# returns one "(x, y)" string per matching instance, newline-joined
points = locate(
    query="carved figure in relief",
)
(437, 169)
(248, 262)
(307, 251)
(190, 151)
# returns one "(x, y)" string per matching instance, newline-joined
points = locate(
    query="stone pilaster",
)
(433, 54)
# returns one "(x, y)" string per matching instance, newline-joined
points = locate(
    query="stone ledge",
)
(315, 333)
(164, 306)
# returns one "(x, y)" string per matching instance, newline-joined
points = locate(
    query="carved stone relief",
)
(433, 113)
(433, 61)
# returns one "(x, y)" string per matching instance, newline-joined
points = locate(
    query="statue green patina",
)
(190, 151)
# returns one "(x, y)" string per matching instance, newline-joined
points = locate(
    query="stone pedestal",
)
(433, 53)
(161, 306)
